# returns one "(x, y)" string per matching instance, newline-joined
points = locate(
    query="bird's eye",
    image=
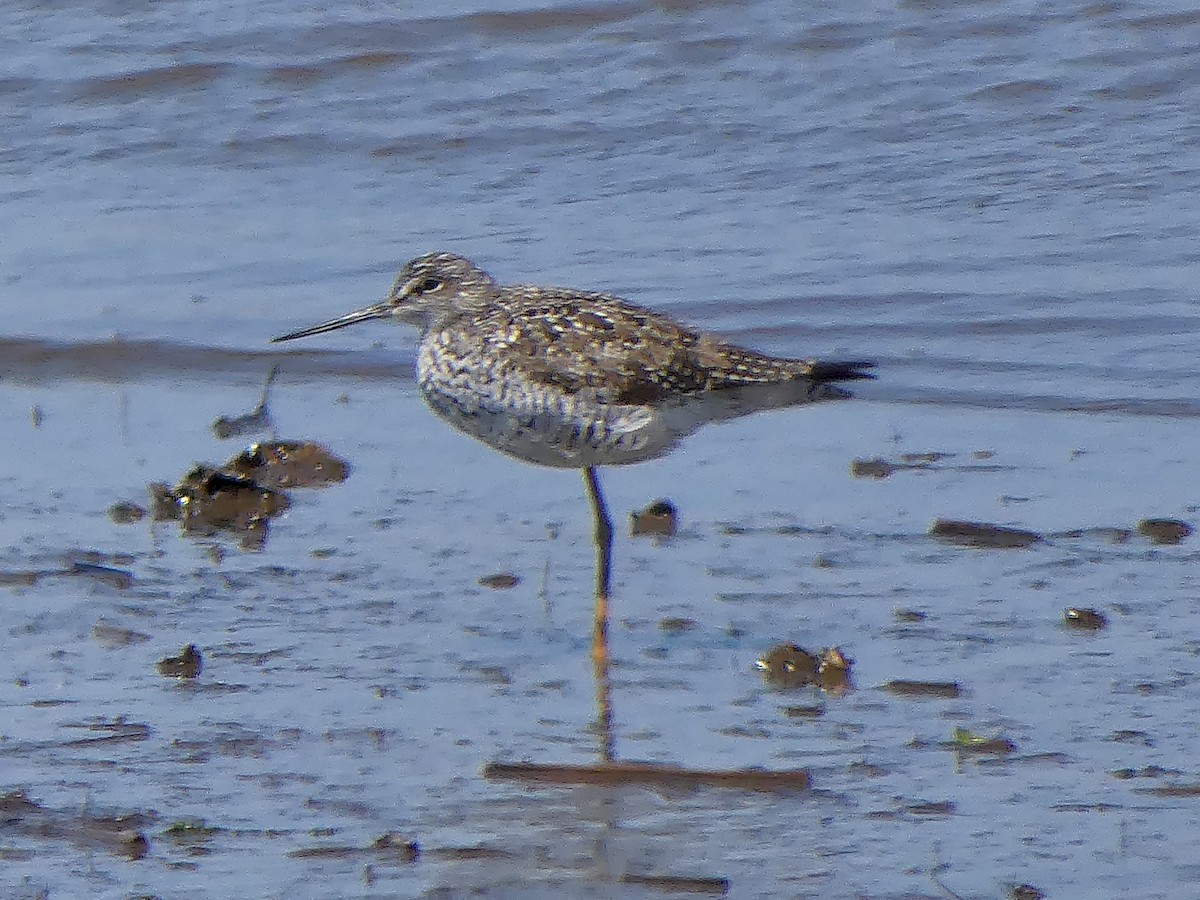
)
(429, 285)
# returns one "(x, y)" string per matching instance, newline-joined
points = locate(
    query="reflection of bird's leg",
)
(600, 657)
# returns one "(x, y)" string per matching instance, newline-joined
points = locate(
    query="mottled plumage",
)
(568, 378)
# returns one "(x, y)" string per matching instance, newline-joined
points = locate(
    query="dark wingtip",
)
(842, 370)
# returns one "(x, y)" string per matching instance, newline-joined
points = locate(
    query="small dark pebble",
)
(190, 830)
(126, 513)
(398, 846)
(1180, 791)
(340, 852)
(136, 846)
(1025, 892)
(1103, 533)
(187, 664)
(933, 808)
(982, 534)
(931, 456)
(994, 746)
(462, 854)
(677, 884)
(1144, 772)
(871, 468)
(659, 519)
(114, 636)
(27, 578)
(117, 578)
(1128, 736)
(965, 742)
(863, 769)
(501, 581)
(164, 502)
(676, 625)
(1164, 531)
(1084, 619)
(804, 712)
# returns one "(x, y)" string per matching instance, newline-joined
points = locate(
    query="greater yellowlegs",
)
(577, 379)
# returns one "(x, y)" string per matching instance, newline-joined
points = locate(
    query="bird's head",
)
(428, 291)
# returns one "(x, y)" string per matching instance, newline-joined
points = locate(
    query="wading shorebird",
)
(577, 379)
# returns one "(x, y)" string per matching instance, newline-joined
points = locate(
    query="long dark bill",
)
(378, 311)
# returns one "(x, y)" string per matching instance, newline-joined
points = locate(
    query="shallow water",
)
(993, 202)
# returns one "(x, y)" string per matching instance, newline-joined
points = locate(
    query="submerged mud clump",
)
(789, 666)
(679, 884)
(876, 467)
(620, 773)
(120, 835)
(387, 848)
(1164, 531)
(982, 535)
(965, 741)
(501, 581)
(126, 513)
(289, 464)
(207, 500)
(943, 690)
(114, 636)
(933, 460)
(247, 492)
(677, 624)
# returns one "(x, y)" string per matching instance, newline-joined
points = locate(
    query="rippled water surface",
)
(995, 201)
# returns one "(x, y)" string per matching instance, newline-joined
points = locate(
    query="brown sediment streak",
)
(616, 774)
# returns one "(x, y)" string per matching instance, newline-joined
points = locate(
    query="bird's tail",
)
(820, 370)
(823, 377)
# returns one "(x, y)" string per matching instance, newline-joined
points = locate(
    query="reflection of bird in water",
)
(575, 379)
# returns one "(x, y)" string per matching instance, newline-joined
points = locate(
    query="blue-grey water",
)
(994, 201)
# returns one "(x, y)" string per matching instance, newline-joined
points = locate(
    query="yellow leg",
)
(603, 533)
(603, 537)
